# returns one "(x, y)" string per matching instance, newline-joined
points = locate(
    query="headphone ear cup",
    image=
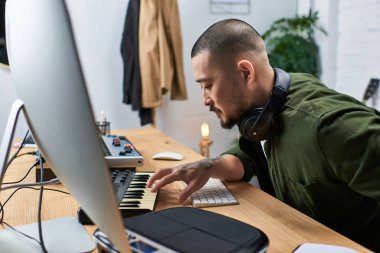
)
(272, 127)
(260, 123)
(248, 121)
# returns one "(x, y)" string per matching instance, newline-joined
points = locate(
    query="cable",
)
(27, 173)
(20, 186)
(28, 153)
(8, 163)
(2, 205)
(31, 188)
(18, 231)
(2, 213)
(50, 182)
(5, 202)
(49, 189)
(40, 206)
(39, 220)
(41, 184)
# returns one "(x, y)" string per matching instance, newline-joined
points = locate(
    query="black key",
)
(139, 184)
(131, 202)
(134, 194)
(128, 205)
(141, 176)
(139, 180)
(135, 191)
(136, 186)
(133, 197)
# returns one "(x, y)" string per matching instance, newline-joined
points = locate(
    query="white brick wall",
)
(358, 48)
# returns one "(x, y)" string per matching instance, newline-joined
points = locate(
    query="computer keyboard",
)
(213, 193)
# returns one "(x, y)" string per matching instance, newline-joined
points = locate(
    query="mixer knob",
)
(128, 146)
(116, 142)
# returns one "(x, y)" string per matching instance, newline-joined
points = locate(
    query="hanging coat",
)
(130, 55)
(160, 52)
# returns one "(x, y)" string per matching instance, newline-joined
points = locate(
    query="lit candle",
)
(101, 117)
(205, 142)
(205, 130)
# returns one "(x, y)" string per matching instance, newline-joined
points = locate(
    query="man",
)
(324, 155)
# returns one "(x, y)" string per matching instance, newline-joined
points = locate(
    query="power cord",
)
(40, 161)
(28, 153)
(31, 188)
(2, 205)
(8, 163)
(18, 231)
(27, 173)
(50, 182)
(40, 205)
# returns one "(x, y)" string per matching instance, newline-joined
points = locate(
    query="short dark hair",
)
(229, 36)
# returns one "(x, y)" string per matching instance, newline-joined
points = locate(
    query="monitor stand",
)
(60, 235)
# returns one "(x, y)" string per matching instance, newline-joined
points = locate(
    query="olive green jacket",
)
(324, 159)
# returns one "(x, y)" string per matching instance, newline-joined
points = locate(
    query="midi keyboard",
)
(131, 192)
(118, 151)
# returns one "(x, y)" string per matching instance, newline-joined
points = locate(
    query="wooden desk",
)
(286, 227)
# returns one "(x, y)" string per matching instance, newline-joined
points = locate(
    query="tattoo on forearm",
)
(205, 163)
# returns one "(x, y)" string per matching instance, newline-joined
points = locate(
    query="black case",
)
(186, 229)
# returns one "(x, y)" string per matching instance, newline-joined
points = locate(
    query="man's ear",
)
(247, 70)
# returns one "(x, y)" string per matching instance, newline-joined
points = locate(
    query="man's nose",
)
(207, 101)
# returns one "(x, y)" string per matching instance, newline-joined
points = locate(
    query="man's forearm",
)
(227, 167)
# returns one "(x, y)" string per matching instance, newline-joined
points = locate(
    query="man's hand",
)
(195, 175)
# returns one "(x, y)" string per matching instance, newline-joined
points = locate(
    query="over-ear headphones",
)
(258, 124)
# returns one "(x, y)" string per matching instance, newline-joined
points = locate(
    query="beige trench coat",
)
(160, 52)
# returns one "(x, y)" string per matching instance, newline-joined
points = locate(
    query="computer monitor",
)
(48, 78)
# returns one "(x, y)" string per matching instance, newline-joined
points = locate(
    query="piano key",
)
(137, 199)
(135, 191)
(129, 205)
(131, 202)
(132, 197)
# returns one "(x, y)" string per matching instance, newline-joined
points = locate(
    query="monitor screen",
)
(48, 78)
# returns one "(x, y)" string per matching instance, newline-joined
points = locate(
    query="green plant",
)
(291, 45)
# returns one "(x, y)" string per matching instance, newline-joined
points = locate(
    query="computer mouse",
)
(173, 156)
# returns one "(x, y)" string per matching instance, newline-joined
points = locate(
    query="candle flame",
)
(205, 130)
